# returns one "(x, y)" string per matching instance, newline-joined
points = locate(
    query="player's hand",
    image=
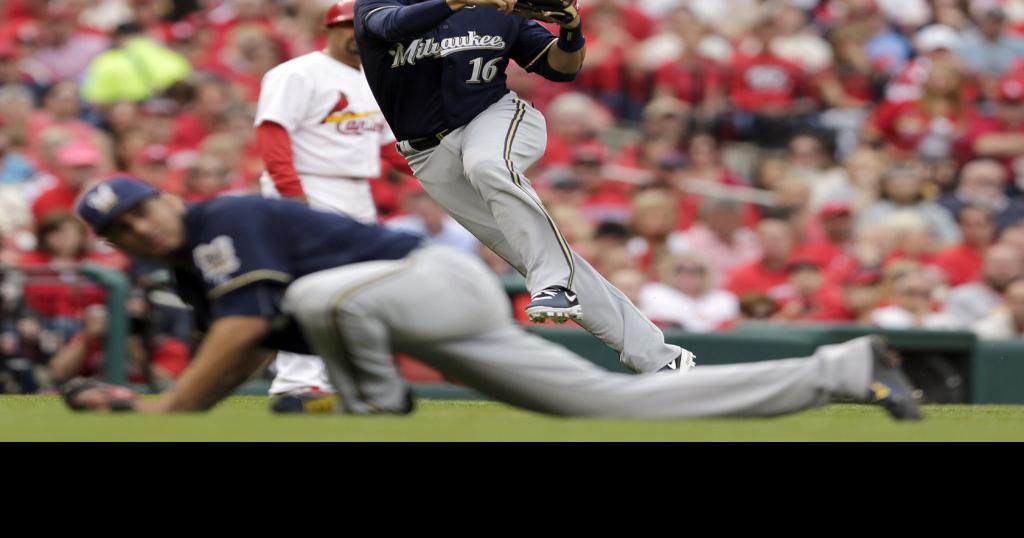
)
(81, 394)
(300, 199)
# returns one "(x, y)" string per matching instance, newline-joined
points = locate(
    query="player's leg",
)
(296, 373)
(612, 317)
(528, 371)
(446, 309)
(341, 323)
(519, 214)
(440, 171)
(497, 146)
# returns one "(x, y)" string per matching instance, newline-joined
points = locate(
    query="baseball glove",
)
(103, 397)
(560, 12)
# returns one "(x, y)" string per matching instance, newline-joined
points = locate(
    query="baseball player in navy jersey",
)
(272, 274)
(437, 69)
(322, 136)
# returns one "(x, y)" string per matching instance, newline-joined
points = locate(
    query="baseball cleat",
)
(889, 387)
(305, 403)
(682, 363)
(555, 303)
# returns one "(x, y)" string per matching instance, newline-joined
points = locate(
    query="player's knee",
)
(483, 167)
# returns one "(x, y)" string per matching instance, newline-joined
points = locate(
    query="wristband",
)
(571, 40)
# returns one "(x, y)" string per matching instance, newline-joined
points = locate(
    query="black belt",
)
(427, 142)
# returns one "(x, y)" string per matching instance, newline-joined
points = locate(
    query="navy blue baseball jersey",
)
(245, 251)
(433, 69)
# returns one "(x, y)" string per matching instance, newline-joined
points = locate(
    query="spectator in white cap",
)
(933, 44)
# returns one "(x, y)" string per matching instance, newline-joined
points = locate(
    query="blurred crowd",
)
(721, 161)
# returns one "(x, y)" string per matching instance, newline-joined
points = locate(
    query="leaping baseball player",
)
(322, 136)
(437, 67)
(271, 274)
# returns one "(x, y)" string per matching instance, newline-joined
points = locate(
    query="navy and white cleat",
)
(555, 303)
(889, 387)
(309, 402)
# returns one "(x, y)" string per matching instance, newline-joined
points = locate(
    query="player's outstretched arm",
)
(228, 356)
(563, 58)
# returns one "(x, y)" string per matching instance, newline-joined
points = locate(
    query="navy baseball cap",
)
(106, 201)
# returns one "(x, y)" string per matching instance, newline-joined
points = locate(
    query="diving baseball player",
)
(261, 274)
(437, 68)
(321, 136)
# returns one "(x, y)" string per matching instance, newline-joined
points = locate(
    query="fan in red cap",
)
(341, 13)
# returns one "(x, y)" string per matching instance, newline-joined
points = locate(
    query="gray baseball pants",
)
(448, 310)
(476, 174)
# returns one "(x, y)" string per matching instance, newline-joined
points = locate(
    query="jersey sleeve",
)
(284, 97)
(532, 44)
(243, 262)
(394, 21)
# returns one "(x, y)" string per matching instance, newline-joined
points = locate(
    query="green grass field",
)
(39, 418)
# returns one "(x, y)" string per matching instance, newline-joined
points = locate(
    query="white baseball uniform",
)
(336, 131)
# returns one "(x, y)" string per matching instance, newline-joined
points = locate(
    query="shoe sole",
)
(540, 314)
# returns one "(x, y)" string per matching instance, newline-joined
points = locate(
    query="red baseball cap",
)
(1011, 89)
(78, 153)
(836, 208)
(341, 13)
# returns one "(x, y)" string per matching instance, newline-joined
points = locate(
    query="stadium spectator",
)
(971, 302)
(1002, 136)
(57, 297)
(159, 358)
(686, 296)
(836, 220)
(929, 127)
(206, 178)
(769, 275)
(768, 92)
(806, 297)
(79, 164)
(912, 306)
(903, 190)
(654, 222)
(720, 237)
(810, 160)
(861, 294)
(983, 183)
(14, 167)
(962, 263)
(134, 69)
(64, 47)
(1006, 322)
(991, 49)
